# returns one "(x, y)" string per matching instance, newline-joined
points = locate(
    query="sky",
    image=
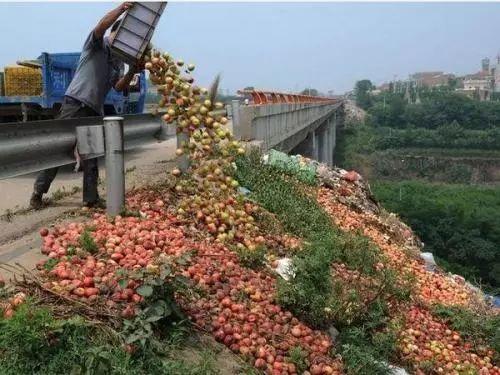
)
(281, 46)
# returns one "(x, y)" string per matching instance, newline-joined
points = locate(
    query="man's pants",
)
(90, 169)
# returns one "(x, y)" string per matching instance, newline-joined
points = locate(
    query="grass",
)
(87, 242)
(62, 193)
(298, 357)
(313, 294)
(35, 342)
(477, 328)
(254, 259)
(8, 215)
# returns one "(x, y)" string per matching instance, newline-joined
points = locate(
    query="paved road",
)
(15, 192)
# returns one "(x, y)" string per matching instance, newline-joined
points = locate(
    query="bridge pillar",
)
(315, 144)
(324, 144)
(306, 147)
(329, 142)
(333, 135)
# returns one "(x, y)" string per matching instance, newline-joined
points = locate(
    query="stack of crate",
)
(2, 90)
(22, 81)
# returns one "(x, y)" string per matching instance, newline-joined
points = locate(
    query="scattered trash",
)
(430, 263)
(304, 169)
(333, 332)
(244, 190)
(284, 268)
(397, 370)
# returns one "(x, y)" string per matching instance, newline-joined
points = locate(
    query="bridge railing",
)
(260, 97)
(280, 122)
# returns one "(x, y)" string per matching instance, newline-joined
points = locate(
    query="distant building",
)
(481, 84)
(385, 87)
(496, 76)
(485, 65)
(431, 79)
(478, 83)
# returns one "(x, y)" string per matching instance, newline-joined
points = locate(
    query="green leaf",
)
(137, 274)
(120, 272)
(154, 318)
(157, 308)
(145, 290)
(182, 280)
(166, 271)
(133, 338)
(123, 283)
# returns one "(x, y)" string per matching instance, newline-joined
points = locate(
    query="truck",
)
(34, 89)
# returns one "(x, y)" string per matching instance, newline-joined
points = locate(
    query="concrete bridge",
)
(296, 124)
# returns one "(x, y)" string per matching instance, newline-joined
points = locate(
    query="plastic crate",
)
(2, 89)
(136, 30)
(21, 80)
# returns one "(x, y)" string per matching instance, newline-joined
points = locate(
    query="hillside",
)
(354, 267)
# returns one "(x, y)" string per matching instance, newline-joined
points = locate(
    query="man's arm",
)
(124, 81)
(107, 21)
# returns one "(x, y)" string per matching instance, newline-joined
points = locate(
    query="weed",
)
(252, 258)
(206, 364)
(70, 251)
(299, 358)
(300, 214)
(87, 242)
(477, 328)
(8, 215)
(50, 264)
(358, 309)
(129, 213)
(366, 353)
(34, 342)
(59, 194)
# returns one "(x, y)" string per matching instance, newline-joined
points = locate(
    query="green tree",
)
(362, 92)
(309, 91)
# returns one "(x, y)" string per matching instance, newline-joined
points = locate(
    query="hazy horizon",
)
(282, 46)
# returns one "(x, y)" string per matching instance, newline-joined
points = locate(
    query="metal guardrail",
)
(27, 147)
(260, 97)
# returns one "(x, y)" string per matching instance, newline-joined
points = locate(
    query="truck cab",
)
(55, 72)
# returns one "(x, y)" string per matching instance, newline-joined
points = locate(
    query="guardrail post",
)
(235, 111)
(115, 165)
(182, 143)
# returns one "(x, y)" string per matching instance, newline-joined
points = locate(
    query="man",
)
(97, 72)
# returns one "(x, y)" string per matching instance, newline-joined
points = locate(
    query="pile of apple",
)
(237, 305)
(428, 339)
(430, 287)
(126, 244)
(240, 311)
(209, 193)
(424, 339)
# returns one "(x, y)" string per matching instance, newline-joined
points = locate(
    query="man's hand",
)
(126, 6)
(109, 19)
(139, 66)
